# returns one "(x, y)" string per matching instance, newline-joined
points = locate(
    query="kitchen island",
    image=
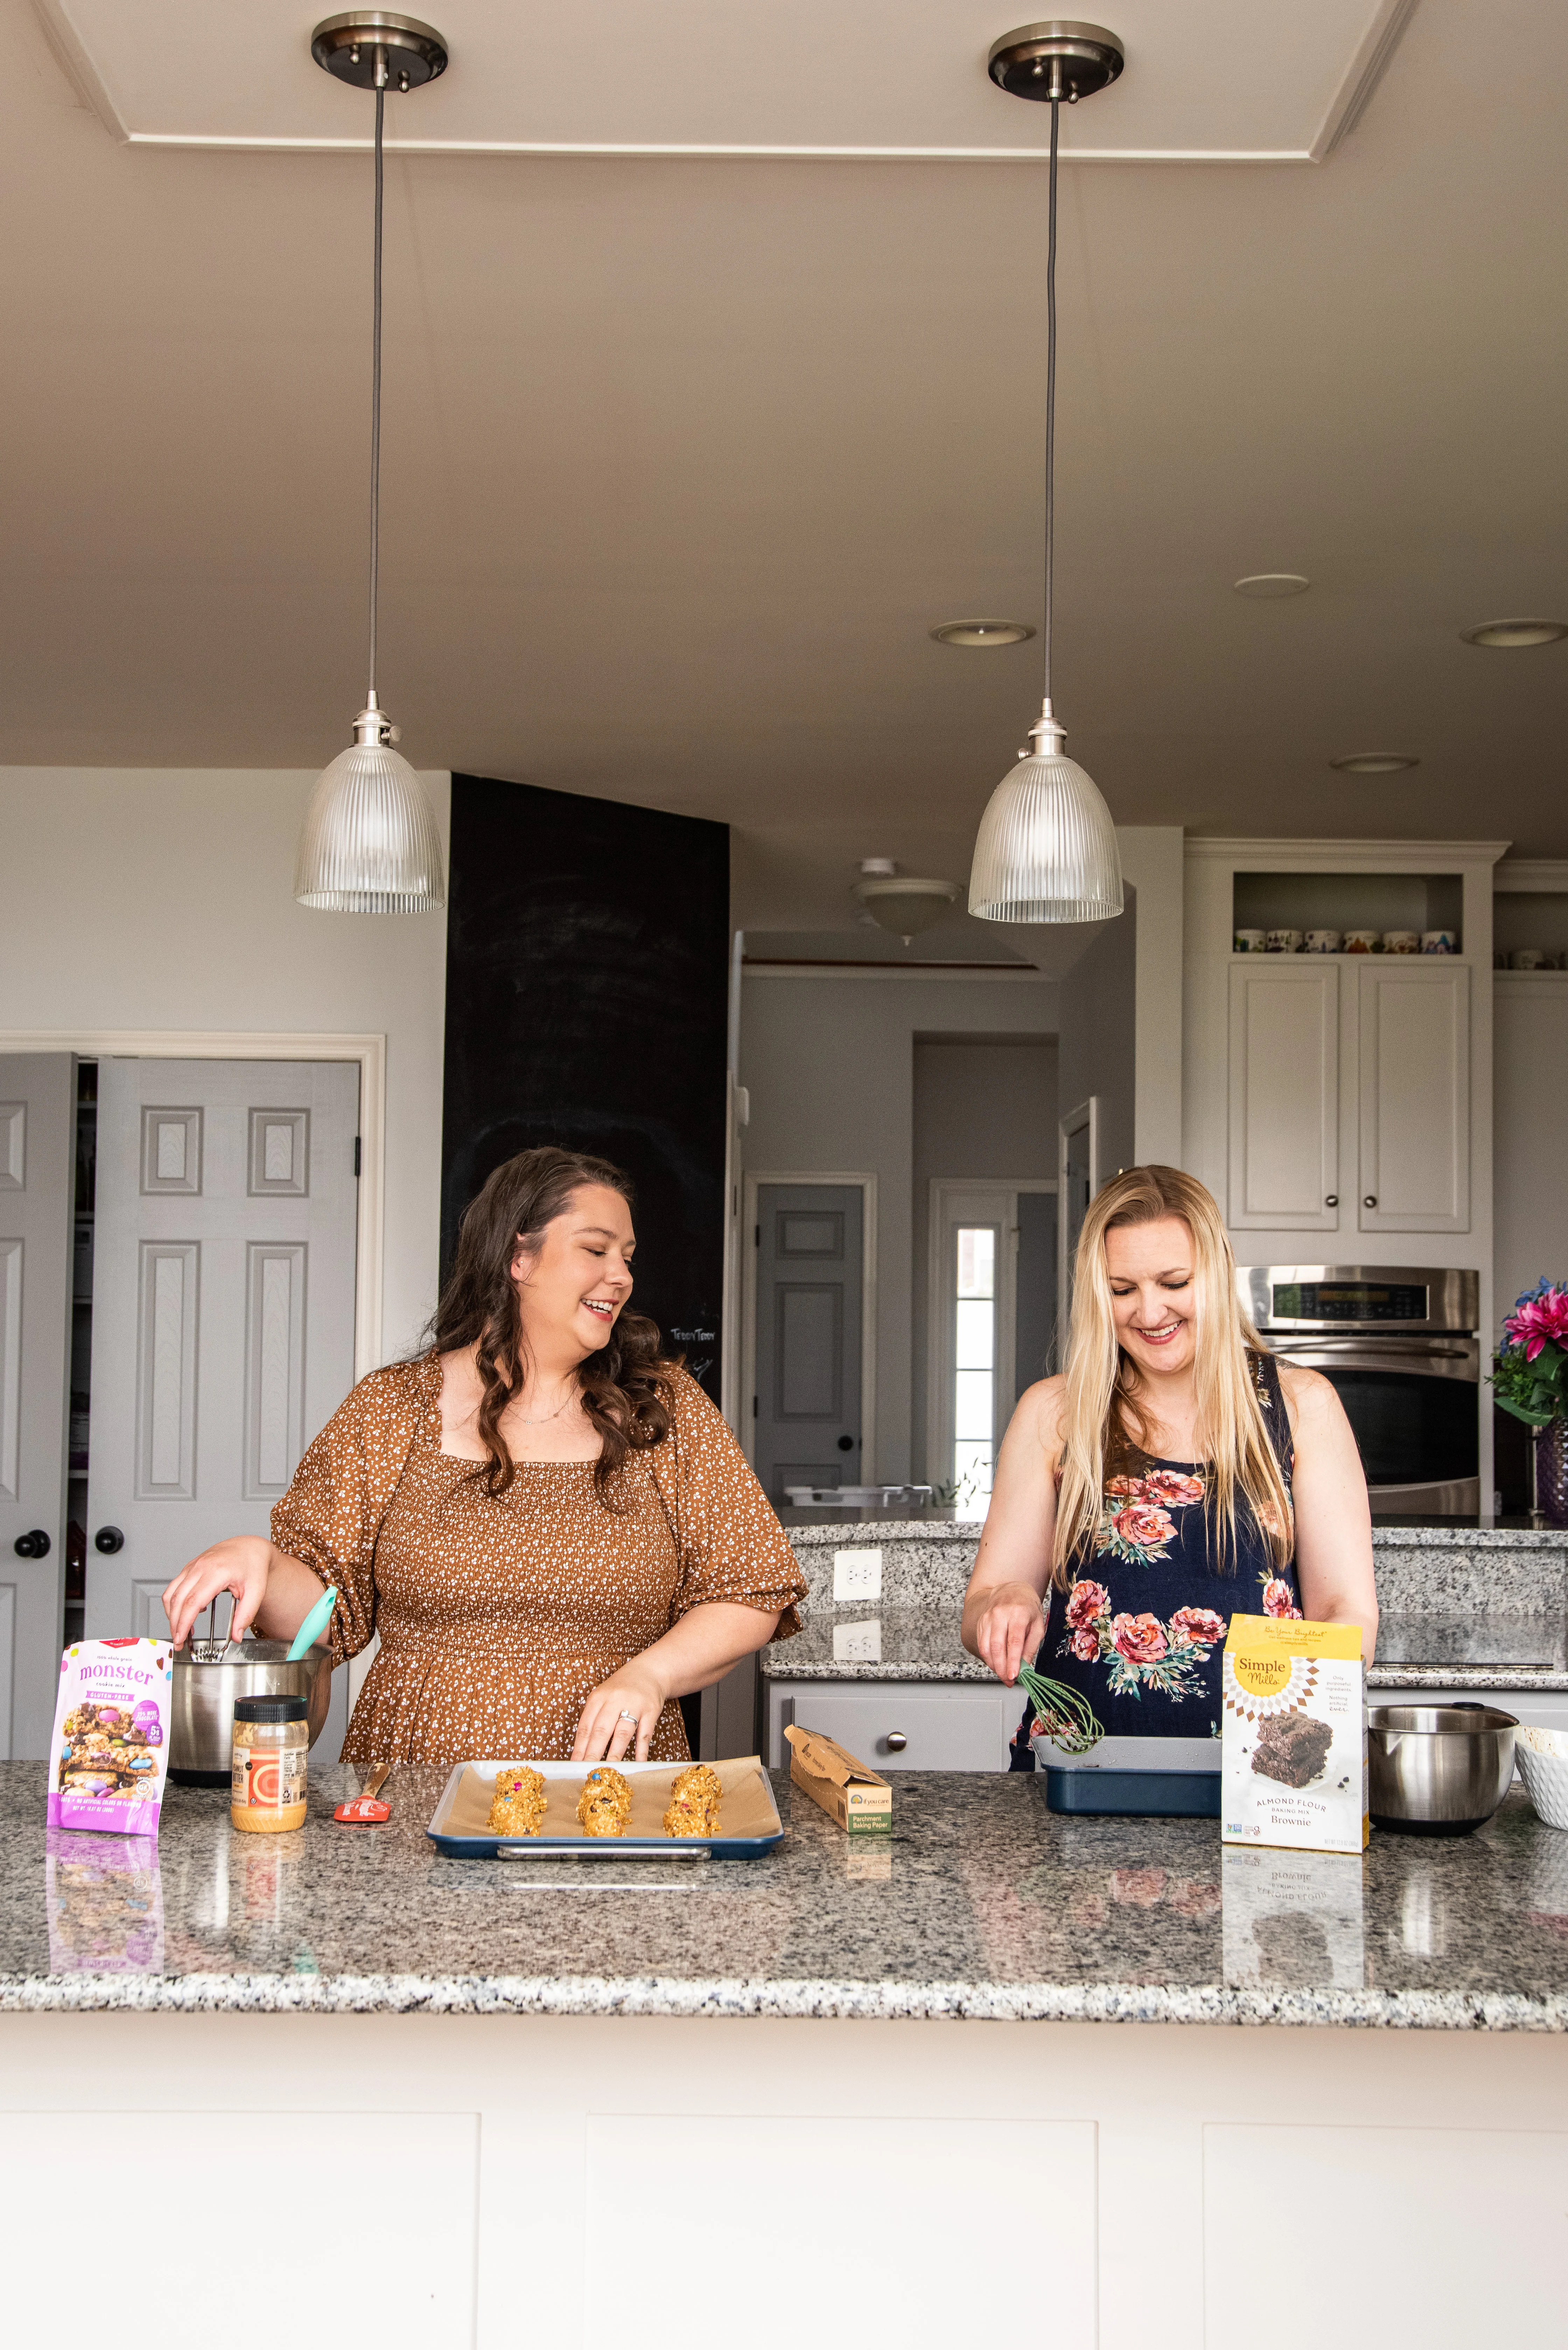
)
(447, 2076)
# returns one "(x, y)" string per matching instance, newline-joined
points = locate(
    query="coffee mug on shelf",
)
(1284, 943)
(1363, 941)
(1323, 942)
(1249, 942)
(1439, 943)
(1401, 942)
(1526, 959)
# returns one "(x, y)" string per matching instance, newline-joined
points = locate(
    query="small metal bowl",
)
(1438, 1769)
(201, 1724)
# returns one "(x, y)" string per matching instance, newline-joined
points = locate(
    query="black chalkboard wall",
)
(586, 991)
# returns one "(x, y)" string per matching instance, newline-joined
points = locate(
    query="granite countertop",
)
(982, 1904)
(1503, 1652)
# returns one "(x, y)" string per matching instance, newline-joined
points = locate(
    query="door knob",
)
(847, 1444)
(108, 1539)
(1370, 1200)
(896, 1742)
(1331, 1200)
(32, 1546)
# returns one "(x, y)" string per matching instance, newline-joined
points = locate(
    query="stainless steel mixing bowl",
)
(1438, 1769)
(201, 1736)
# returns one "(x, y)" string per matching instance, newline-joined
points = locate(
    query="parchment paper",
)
(747, 1809)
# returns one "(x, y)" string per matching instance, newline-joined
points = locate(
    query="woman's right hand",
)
(1008, 1627)
(240, 1564)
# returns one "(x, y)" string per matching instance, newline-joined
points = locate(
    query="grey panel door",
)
(1035, 1311)
(223, 1307)
(809, 1241)
(38, 1177)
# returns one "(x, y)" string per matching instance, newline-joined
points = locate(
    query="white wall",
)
(1530, 1038)
(149, 897)
(829, 1067)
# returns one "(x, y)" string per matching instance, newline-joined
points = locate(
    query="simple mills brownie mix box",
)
(1294, 1737)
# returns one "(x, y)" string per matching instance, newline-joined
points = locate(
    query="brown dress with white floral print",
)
(1140, 1628)
(498, 1614)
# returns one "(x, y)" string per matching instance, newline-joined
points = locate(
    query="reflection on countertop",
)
(981, 1904)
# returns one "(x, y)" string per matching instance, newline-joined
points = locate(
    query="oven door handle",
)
(1413, 1360)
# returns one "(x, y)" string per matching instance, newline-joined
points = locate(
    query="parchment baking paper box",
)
(1292, 1765)
(860, 1800)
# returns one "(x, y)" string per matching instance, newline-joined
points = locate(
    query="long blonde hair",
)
(1102, 1409)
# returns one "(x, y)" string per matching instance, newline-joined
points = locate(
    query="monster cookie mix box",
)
(110, 1754)
(1292, 1766)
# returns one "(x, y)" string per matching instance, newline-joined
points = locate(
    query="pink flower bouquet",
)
(1530, 1370)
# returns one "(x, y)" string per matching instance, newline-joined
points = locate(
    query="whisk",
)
(1066, 1713)
(212, 1650)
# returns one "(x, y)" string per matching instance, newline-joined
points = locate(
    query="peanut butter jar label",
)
(267, 1779)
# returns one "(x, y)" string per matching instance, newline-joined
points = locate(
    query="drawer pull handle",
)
(1370, 1200)
(1332, 1201)
(896, 1742)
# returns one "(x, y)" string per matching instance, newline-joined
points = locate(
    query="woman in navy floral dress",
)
(1175, 1476)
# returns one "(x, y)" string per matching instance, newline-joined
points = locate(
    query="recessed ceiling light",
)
(1374, 762)
(1515, 636)
(1271, 583)
(982, 632)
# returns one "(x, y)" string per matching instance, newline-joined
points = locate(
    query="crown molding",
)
(1344, 856)
(1549, 874)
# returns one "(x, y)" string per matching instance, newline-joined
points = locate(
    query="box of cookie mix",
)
(1292, 1768)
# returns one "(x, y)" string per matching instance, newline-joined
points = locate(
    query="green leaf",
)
(1530, 1418)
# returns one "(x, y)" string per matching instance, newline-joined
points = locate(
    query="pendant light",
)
(370, 844)
(1047, 849)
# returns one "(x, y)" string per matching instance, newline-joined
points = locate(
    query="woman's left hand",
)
(605, 1732)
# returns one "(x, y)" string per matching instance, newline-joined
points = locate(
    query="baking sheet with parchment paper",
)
(747, 1814)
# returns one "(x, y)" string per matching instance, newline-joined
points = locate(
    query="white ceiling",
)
(1212, 80)
(685, 457)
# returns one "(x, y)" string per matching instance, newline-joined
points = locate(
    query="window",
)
(974, 1363)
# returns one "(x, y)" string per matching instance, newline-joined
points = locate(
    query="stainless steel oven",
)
(1399, 1343)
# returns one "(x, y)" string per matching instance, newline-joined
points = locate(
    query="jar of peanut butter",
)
(266, 1790)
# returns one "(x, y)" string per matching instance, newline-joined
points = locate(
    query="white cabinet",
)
(1349, 1094)
(902, 1725)
(1414, 1173)
(1284, 1094)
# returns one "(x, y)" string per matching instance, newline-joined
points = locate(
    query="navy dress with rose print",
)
(1140, 1628)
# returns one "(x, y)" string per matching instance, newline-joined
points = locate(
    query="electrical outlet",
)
(859, 1644)
(857, 1574)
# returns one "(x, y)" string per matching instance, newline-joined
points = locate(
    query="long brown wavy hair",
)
(625, 1384)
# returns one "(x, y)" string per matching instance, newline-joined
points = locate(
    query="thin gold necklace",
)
(549, 1416)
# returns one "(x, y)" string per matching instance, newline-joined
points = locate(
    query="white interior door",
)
(1284, 1094)
(38, 1177)
(809, 1238)
(223, 1307)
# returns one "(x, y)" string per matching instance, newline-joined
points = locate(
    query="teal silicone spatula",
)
(314, 1626)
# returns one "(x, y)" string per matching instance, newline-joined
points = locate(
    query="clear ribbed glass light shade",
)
(370, 844)
(1046, 850)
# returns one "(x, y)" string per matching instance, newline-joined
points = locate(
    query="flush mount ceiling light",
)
(1267, 586)
(982, 632)
(370, 844)
(898, 901)
(1046, 848)
(1374, 762)
(1515, 636)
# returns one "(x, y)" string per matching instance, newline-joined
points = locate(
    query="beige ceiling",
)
(684, 458)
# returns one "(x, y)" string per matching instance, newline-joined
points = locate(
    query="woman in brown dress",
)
(550, 1527)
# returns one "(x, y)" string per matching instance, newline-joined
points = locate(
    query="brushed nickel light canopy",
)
(347, 46)
(1058, 58)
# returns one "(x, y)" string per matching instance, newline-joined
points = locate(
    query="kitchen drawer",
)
(963, 1726)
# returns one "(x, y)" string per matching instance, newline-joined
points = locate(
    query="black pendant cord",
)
(376, 395)
(1051, 393)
